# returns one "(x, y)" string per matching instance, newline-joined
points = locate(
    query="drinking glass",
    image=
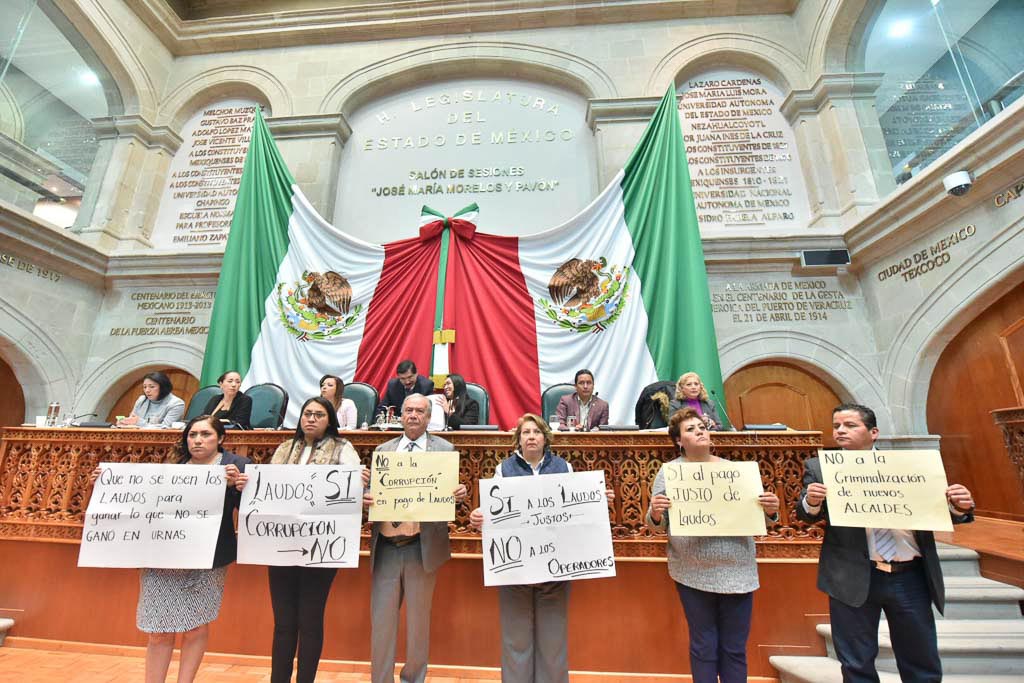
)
(570, 422)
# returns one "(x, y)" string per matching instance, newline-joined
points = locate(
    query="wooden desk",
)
(44, 476)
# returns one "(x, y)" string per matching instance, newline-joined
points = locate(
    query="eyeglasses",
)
(314, 414)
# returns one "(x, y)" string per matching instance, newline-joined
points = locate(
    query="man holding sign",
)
(866, 571)
(404, 559)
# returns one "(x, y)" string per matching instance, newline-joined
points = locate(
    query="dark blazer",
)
(227, 542)
(395, 393)
(434, 547)
(844, 569)
(241, 410)
(467, 412)
(707, 408)
(570, 405)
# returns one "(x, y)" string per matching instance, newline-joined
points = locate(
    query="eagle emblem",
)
(318, 307)
(586, 295)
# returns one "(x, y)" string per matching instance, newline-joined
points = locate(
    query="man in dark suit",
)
(404, 559)
(405, 383)
(589, 410)
(868, 571)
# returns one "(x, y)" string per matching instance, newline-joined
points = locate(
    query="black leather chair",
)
(652, 405)
(552, 395)
(365, 397)
(199, 401)
(269, 405)
(483, 399)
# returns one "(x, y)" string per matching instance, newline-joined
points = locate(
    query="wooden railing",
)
(44, 476)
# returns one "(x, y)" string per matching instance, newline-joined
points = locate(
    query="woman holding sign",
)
(715, 576)
(185, 601)
(534, 618)
(298, 595)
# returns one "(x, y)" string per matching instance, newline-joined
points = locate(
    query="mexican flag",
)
(620, 289)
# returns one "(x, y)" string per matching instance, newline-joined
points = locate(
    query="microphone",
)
(85, 415)
(721, 406)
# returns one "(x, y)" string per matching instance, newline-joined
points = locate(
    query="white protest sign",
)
(553, 527)
(886, 489)
(301, 515)
(158, 516)
(414, 486)
(714, 498)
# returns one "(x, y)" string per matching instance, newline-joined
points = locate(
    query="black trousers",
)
(298, 596)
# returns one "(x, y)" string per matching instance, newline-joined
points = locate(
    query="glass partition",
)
(52, 87)
(948, 67)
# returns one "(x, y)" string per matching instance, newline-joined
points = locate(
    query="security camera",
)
(958, 184)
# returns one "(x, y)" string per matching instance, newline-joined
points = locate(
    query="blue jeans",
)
(719, 625)
(907, 604)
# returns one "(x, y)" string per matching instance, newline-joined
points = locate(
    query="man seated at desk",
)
(584, 406)
(405, 383)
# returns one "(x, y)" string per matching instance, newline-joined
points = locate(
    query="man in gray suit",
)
(869, 571)
(404, 559)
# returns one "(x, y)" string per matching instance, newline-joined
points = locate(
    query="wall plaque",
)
(202, 183)
(744, 168)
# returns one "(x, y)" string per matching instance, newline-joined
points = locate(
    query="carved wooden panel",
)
(44, 476)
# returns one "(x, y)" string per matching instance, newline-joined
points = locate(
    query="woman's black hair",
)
(183, 454)
(226, 373)
(163, 380)
(459, 390)
(332, 419)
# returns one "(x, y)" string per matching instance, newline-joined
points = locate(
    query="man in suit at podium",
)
(868, 571)
(404, 559)
(406, 382)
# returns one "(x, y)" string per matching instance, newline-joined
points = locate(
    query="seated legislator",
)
(866, 572)
(690, 393)
(231, 405)
(298, 595)
(534, 617)
(588, 410)
(715, 576)
(185, 601)
(157, 407)
(458, 407)
(405, 383)
(332, 387)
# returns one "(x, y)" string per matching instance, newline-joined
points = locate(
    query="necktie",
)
(411, 446)
(885, 544)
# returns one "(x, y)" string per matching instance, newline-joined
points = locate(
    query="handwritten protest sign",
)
(714, 499)
(886, 489)
(549, 528)
(159, 516)
(414, 486)
(301, 515)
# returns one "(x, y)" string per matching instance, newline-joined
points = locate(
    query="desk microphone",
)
(721, 406)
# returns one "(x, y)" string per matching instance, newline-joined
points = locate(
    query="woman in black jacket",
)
(459, 408)
(231, 404)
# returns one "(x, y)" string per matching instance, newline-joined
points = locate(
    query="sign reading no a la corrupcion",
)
(549, 528)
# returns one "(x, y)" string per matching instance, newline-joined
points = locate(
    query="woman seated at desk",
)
(332, 388)
(231, 405)
(157, 408)
(459, 409)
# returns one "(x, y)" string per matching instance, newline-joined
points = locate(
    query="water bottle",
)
(52, 413)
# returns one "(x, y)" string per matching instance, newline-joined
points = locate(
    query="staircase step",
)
(982, 646)
(958, 561)
(975, 597)
(828, 670)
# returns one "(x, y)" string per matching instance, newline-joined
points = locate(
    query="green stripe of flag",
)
(662, 219)
(256, 246)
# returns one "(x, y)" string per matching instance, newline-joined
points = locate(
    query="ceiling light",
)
(900, 29)
(88, 77)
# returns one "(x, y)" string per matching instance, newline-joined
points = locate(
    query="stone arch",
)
(42, 369)
(104, 383)
(846, 375)
(985, 276)
(12, 120)
(114, 48)
(783, 66)
(840, 22)
(221, 83)
(471, 58)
